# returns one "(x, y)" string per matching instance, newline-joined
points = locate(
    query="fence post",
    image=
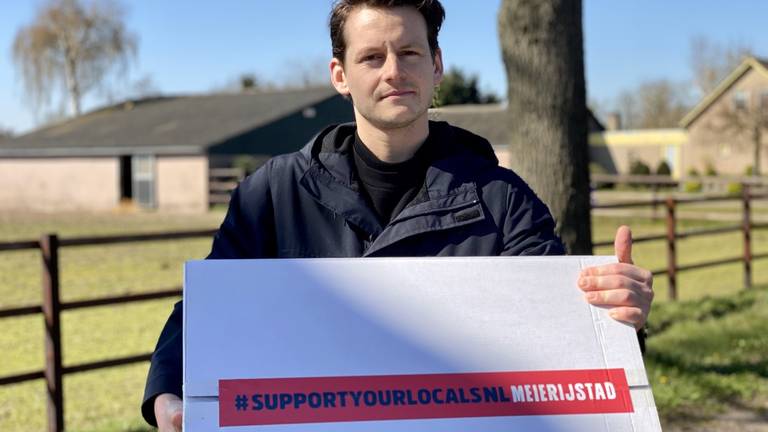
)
(671, 248)
(49, 246)
(747, 231)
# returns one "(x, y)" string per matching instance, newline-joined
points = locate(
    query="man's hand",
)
(626, 288)
(168, 412)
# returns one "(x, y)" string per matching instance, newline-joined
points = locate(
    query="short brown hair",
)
(431, 10)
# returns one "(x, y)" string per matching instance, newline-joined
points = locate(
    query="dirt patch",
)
(735, 419)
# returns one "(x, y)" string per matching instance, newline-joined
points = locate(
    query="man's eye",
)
(372, 57)
(411, 53)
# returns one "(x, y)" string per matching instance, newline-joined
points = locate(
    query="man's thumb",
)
(623, 245)
(176, 413)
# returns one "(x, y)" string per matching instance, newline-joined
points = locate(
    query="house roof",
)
(490, 121)
(761, 65)
(164, 125)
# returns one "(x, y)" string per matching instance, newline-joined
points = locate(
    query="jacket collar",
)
(449, 198)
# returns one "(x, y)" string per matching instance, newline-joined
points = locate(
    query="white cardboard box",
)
(310, 335)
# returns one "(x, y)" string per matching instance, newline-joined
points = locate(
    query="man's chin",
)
(398, 120)
(395, 123)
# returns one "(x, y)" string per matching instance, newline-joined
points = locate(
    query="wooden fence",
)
(52, 306)
(708, 183)
(221, 183)
(672, 235)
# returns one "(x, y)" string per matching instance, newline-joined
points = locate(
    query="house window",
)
(143, 167)
(740, 99)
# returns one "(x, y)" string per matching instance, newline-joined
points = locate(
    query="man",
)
(392, 184)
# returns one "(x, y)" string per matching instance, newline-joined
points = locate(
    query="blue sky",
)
(194, 46)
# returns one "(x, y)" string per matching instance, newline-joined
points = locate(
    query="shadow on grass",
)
(664, 316)
(706, 357)
(758, 368)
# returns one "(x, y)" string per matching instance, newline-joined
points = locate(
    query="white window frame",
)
(144, 171)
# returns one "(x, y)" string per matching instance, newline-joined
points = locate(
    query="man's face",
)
(388, 69)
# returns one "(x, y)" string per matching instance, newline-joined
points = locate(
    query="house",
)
(490, 121)
(715, 137)
(156, 153)
(615, 150)
(709, 136)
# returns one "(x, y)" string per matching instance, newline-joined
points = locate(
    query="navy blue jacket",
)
(307, 204)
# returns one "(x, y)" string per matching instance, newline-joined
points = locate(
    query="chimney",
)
(613, 121)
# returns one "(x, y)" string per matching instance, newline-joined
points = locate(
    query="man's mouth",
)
(398, 93)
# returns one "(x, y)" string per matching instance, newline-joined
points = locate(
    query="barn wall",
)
(182, 183)
(59, 184)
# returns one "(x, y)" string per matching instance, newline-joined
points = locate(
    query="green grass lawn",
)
(706, 355)
(107, 399)
(708, 351)
(702, 353)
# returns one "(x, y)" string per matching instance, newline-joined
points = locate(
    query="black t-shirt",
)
(391, 186)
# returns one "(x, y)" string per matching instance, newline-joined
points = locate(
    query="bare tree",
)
(627, 106)
(744, 120)
(5, 133)
(662, 103)
(542, 48)
(73, 43)
(144, 87)
(138, 89)
(711, 62)
(653, 104)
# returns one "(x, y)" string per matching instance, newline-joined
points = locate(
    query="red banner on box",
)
(245, 402)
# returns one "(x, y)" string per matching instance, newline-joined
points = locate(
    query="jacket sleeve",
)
(166, 365)
(528, 228)
(247, 232)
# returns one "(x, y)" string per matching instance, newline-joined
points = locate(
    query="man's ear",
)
(338, 77)
(438, 62)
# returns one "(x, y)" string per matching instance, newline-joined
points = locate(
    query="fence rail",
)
(221, 183)
(52, 306)
(673, 235)
(662, 180)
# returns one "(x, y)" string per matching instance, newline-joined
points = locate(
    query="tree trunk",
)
(542, 47)
(73, 87)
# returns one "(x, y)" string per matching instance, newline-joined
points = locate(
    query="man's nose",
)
(393, 68)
